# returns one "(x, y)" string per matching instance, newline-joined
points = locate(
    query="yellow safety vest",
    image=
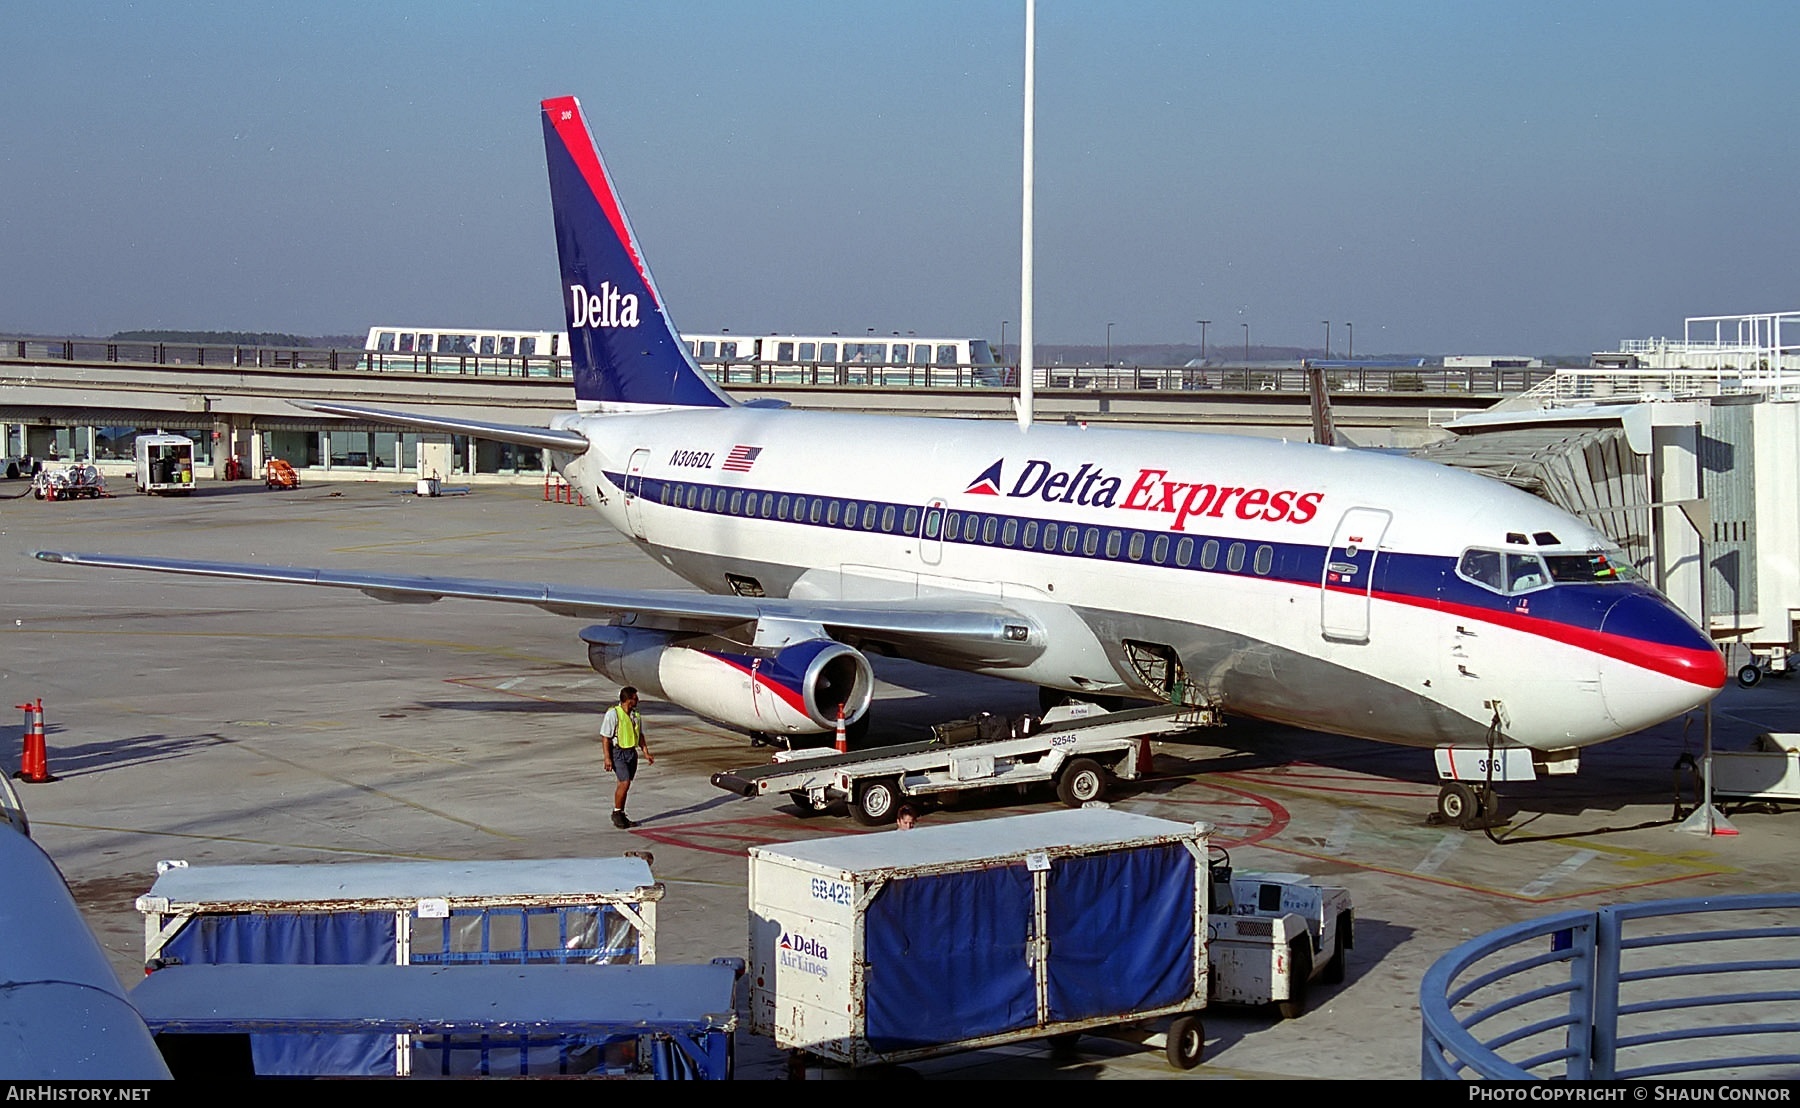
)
(626, 736)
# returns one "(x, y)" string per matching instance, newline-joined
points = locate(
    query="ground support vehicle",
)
(1769, 771)
(414, 915)
(1779, 662)
(278, 474)
(1082, 754)
(1271, 935)
(880, 949)
(165, 464)
(681, 1017)
(77, 481)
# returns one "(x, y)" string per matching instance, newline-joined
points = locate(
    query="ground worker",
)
(622, 736)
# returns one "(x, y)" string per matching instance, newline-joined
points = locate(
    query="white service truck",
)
(165, 464)
(1271, 935)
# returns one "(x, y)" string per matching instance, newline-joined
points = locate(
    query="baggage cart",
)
(1082, 751)
(679, 1020)
(414, 914)
(885, 948)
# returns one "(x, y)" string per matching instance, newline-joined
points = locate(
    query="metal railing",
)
(1087, 378)
(1704, 987)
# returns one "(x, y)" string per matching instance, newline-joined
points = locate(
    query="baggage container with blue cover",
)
(901, 945)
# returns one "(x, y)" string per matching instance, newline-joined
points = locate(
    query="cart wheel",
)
(1334, 969)
(1750, 676)
(1187, 1042)
(1299, 979)
(1082, 780)
(804, 805)
(1062, 1046)
(876, 802)
(1458, 804)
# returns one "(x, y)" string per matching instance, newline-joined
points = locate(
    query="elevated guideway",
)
(240, 390)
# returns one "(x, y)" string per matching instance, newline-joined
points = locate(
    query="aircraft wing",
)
(568, 442)
(960, 628)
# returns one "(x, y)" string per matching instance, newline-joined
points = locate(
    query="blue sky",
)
(1516, 177)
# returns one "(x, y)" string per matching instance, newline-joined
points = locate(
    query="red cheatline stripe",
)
(571, 128)
(1703, 667)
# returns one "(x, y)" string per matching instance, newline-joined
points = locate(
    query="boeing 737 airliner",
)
(1351, 592)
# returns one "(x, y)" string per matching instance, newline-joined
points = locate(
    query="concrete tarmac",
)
(223, 722)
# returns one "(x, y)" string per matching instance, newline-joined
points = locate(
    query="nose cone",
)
(1656, 663)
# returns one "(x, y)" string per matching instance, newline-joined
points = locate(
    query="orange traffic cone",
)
(34, 765)
(1144, 758)
(843, 741)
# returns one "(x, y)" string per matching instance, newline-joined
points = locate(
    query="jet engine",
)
(796, 689)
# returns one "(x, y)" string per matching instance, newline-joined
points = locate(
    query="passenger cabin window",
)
(946, 355)
(1184, 553)
(527, 347)
(506, 346)
(784, 351)
(1265, 559)
(808, 351)
(828, 351)
(487, 345)
(1209, 554)
(1234, 557)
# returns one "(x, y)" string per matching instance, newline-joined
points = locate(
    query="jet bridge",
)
(1697, 492)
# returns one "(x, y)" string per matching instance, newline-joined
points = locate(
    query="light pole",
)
(1327, 324)
(1246, 327)
(1109, 328)
(1003, 324)
(1203, 323)
(1351, 327)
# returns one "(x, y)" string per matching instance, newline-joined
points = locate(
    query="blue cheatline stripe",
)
(1416, 579)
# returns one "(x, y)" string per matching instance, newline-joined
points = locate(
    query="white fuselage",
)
(1223, 552)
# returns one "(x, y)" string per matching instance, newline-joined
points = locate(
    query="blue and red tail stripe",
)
(625, 348)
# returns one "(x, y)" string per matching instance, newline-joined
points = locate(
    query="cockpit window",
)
(1484, 567)
(1524, 572)
(1597, 568)
(1503, 571)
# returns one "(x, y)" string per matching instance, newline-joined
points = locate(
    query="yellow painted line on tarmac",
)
(1696, 871)
(372, 790)
(459, 646)
(192, 836)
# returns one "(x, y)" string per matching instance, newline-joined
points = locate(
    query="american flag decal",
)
(741, 458)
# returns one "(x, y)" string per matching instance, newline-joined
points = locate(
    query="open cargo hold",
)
(906, 944)
(565, 910)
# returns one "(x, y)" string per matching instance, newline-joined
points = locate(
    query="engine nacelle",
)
(795, 690)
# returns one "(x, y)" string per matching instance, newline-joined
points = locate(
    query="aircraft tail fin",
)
(625, 349)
